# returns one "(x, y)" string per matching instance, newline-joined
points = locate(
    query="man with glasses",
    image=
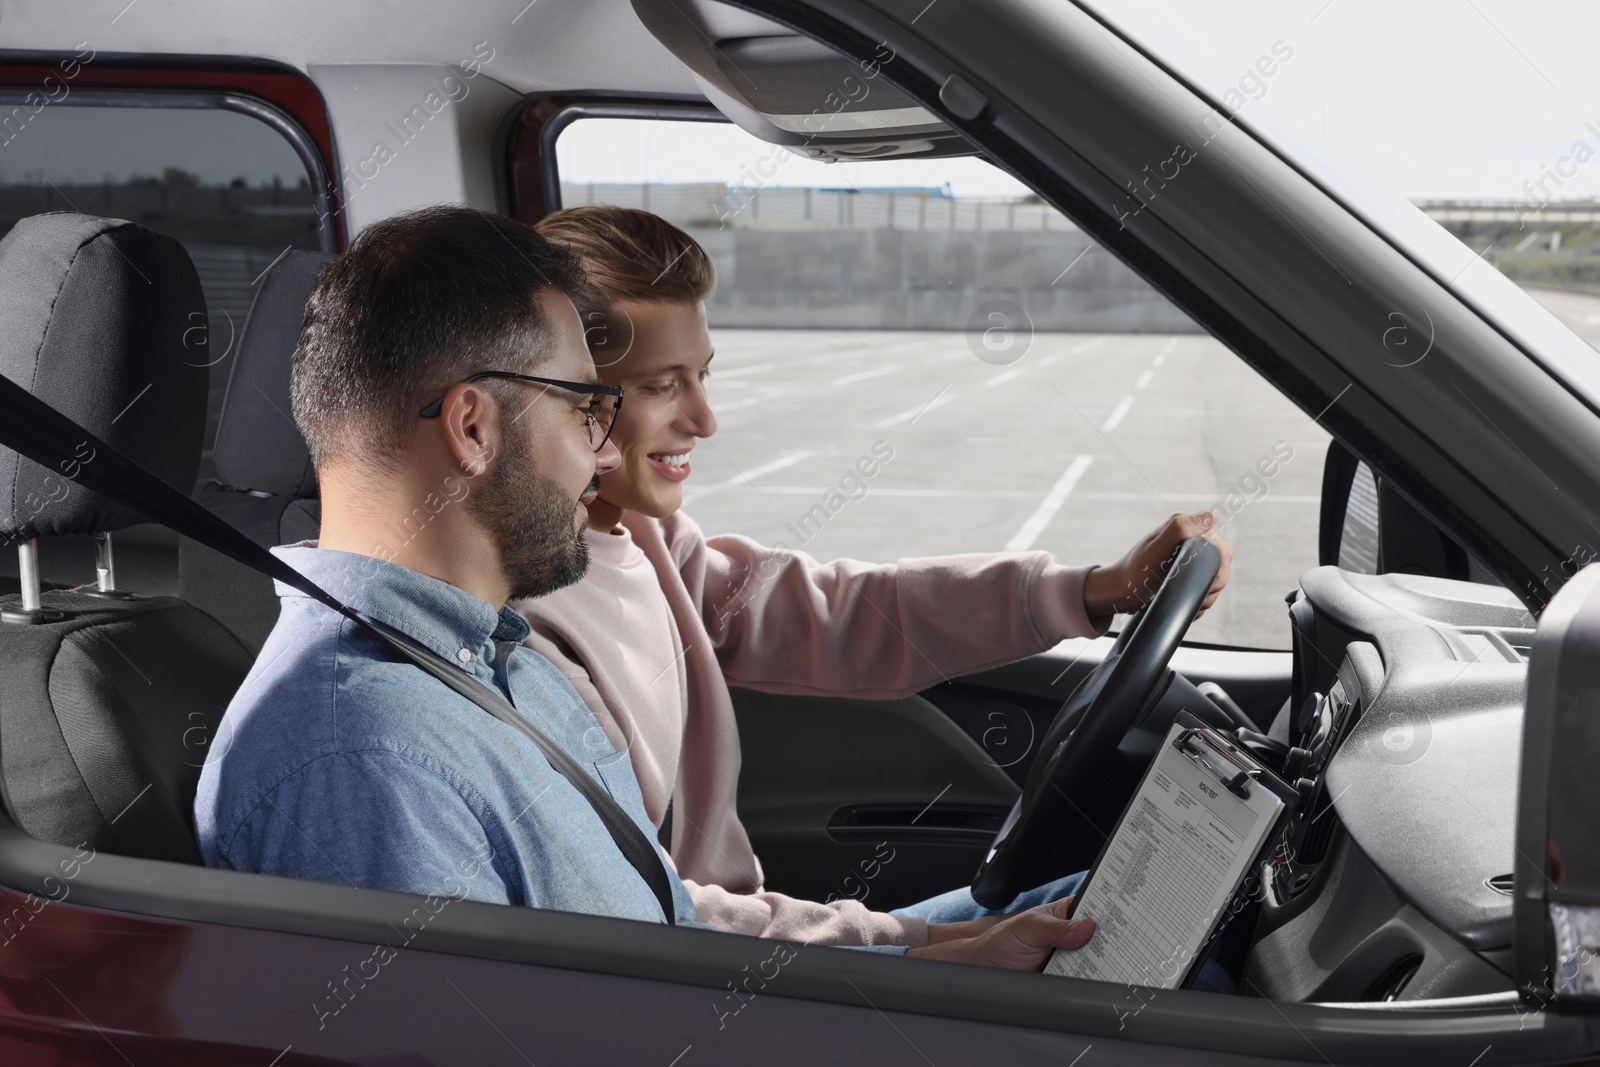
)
(458, 430)
(342, 760)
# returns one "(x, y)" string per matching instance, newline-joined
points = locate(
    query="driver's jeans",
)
(958, 906)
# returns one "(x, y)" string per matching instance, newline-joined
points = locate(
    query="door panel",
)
(893, 801)
(886, 802)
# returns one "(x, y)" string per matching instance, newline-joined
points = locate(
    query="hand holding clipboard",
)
(1205, 814)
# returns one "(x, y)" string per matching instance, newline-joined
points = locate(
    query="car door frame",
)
(652, 976)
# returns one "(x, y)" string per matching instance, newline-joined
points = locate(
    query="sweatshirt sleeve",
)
(846, 923)
(782, 622)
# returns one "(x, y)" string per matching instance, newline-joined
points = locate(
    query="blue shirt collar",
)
(441, 616)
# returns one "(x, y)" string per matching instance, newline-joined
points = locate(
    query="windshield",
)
(1466, 130)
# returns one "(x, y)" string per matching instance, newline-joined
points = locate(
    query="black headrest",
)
(258, 444)
(105, 321)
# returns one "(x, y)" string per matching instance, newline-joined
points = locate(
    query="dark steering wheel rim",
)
(1093, 721)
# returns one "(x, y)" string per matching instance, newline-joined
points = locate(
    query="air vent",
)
(1500, 883)
(1319, 834)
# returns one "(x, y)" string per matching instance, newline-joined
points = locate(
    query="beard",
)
(530, 519)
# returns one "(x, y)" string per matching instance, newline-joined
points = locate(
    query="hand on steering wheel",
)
(1129, 583)
(1093, 720)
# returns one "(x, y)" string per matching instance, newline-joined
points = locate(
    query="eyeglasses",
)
(599, 417)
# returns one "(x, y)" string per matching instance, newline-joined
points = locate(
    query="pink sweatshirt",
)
(667, 619)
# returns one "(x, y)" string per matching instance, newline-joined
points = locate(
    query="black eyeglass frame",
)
(433, 409)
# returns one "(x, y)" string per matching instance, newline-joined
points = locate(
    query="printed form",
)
(1179, 854)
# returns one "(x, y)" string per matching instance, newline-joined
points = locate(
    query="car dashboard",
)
(1404, 727)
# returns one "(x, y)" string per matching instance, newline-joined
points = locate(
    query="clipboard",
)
(1206, 814)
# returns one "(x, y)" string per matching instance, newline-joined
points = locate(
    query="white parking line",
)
(863, 375)
(1270, 498)
(913, 493)
(932, 493)
(915, 342)
(1144, 379)
(1001, 379)
(1024, 538)
(944, 397)
(759, 368)
(1118, 413)
(746, 477)
(825, 357)
(1086, 346)
(744, 402)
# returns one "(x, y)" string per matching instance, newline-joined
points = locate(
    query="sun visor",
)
(789, 90)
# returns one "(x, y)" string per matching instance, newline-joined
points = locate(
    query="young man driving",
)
(450, 404)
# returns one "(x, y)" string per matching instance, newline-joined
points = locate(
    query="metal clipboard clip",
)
(1238, 784)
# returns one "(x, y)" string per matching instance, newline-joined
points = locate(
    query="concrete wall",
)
(928, 280)
(130, 201)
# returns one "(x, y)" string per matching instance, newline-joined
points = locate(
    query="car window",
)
(226, 184)
(1484, 120)
(921, 358)
(1358, 540)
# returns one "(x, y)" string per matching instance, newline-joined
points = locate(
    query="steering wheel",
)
(1093, 721)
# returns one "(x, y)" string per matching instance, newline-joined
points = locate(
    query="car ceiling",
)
(543, 45)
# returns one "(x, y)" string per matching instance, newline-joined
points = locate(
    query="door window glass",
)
(1008, 384)
(225, 184)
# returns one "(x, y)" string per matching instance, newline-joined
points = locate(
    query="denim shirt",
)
(337, 761)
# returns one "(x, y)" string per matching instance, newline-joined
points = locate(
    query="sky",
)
(1429, 98)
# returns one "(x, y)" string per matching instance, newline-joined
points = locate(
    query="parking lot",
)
(1079, 448)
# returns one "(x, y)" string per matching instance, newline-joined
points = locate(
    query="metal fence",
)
(131, 200)
(714, 204)
(785, 207)
(1552, 212)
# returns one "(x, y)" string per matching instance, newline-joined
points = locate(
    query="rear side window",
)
(228, 176)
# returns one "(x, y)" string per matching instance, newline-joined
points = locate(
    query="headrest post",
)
(105, 571)
(32, 610)
(28, 574)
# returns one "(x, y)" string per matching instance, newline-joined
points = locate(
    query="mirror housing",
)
(1556, 883)
(1366, 525)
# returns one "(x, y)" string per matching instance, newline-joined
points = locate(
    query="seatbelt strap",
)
(34, 429)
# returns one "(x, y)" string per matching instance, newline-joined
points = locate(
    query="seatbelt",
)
(34, 429)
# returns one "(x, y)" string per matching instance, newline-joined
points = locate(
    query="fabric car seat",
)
(108, 700)
(266, 487)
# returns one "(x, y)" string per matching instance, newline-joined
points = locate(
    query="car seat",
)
(108, 700)
(266, 487)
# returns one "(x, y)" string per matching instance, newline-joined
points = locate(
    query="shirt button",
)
(464, 655)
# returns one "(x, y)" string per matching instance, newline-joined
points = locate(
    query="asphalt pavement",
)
(1079, 448)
